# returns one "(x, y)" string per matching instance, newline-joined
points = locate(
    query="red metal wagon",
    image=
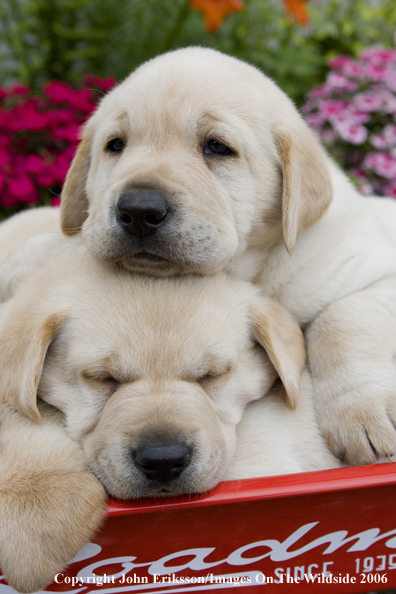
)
(328, 531)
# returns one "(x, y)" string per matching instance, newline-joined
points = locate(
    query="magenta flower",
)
(23, 189)
(34, 164)
(38, 138)
(55, 201)
(58, 92)
(47, 177)
(19, 89)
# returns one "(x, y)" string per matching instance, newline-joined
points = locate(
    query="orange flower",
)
(214, 11)
(297, 9)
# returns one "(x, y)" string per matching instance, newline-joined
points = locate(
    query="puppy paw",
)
(44, 523)
(359, 430)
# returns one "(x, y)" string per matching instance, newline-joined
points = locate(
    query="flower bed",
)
(38, 138)
(354, 114)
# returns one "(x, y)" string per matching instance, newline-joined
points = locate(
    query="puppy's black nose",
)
(163, 462)
(141, 212)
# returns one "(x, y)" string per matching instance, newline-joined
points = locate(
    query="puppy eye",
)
(215, 147)
(101, 381)
(211, 376)
(112, 383)
(116, 145)
(206, 378)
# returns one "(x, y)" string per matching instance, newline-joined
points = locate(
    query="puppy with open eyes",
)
(198, 163)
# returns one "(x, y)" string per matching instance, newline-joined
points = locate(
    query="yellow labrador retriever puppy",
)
(141, 381)
(198, 163)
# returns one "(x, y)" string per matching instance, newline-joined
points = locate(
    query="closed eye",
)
(214, 375)
(107, 382)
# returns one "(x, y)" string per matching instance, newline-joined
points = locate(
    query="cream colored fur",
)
(170, 357)
(182, 354)
(50, 503)
(273, 440)
(275, 210)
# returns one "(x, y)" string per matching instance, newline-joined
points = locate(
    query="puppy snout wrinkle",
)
(142, 212)
(162, 462)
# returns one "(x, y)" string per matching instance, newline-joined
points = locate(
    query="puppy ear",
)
(24, 339)
(281, 337)
(307, 188)
(74, 200)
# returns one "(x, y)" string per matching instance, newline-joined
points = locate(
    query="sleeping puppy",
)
(151, 375)
(198, 163)
(144, 380)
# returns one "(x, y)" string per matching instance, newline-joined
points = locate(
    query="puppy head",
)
(151, 375)
(192, 159)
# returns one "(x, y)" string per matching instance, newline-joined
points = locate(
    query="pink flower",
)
(339, 61)
(390, 79)
(376, 73)
(315, 119)
(338, 81)
(381, 163)
(358, 117)
(378, 55)
(317, 92)
(354, 134)
(390, 134)
(368, 101)
(331, 108)
(379, 141)
(353, 69)
(366, 189)
(390, 190)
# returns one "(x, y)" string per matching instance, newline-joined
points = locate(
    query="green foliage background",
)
(45, 39)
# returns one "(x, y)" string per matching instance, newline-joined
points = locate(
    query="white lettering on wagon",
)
(278, 551)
